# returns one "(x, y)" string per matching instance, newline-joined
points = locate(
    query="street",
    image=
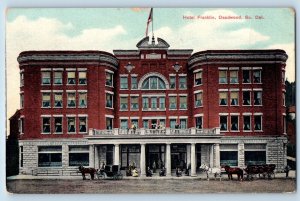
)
(70, 186)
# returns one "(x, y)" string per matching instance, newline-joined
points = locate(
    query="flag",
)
(150, 18)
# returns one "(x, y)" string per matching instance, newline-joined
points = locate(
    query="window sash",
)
(46, 125)
(182, 82)
(124, 83)
(223, 98)
(82, 99)
(162, 103)
(247, 123)
(123, 103)
(223, 123)
(134, 84)
(172, 82)
(134, 103)
(222, 76)
(71, 99)
(58, 124)
(246, 76)
(257, 76)
(153, 102)
(46, 77)
(246, 98)
(109, 79)
(173, 103)
(258, 123)
(71, 125)
(198, 122)
(234, 123)
(82, 124)
(183, 102)
(57, 77)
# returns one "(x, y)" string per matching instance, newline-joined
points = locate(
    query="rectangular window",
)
(71, 78)
(162, 103)
(183, 102)
(283, 99)
(82, 125)
(58, 100)
(198, 99)
(46, 125)
(82, 101)
(283, 77)
(145, 123)
(71, 124)
(134, 83)
(135, 122)
(234, 77)
(229, 158)
(71, 99)
(82, 78)
(223, 123)
(153, 82)
(234, 123)
(58, 124)
(258, 123)
(58, 78)
(246, 76)
(234, 98)
(255, 154)
(124, 83)
(123, 103)
(183, 123)
(153, 103)
(222, 76)
(109, 123)
(21, 125)
(109, 79)
(79, 155)
(198, 78)
(257, 76)
(198, 122)
(46, 100)
(50, 156)
(124, 123)
(21, 79)
(22, 101)
(21, 156)
(109, 101)
(172, 82)
(145, 103)
(134, 103)
(182, 82)
(46, 78)
(257, 98)
(173, 102)
(223, 98)
(247, 123)
(172, 123)
(246, 98)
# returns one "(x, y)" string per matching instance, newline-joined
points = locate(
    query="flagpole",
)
(152, 21)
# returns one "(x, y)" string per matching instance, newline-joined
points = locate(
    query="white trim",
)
(198, 70)
(153, 95)
(223, 90)
(46, 69)
(46, 115)
(22, 116)
(172, 94)
(46, 91)
(123, 95)
(57, 91)
(235, 114)
(21, 92)
(158, 117)
(110, 116)
(182, 75)
(81, 69)
(71, 90)
(123, 118)
(156, 74)
(58, 115)
(234, 68)
(134, 118)
(247, 113)
(199, 115)
(57, 69)
(246, 89)
(172, 75)
(109, 71)
(258, 113)
(257, 68)
(21, 71)
(185, 95)
(124, 75)
(223, 114)
(234, 89)
(183, 117)
(246, 68)
(284, 114)
(173, 117)
(109, 92)
(70, 69)
(83, 115)
(223, 68)
(284, 90)
(71, 115)
(198, 91)
(134, 95)
(80, 91)
(134, 75)
(257, 89)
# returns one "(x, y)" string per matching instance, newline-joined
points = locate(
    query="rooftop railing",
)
(156, 132)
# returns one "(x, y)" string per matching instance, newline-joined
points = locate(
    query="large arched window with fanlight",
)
(154, 83)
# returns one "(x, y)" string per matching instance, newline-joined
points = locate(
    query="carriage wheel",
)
(120, 176)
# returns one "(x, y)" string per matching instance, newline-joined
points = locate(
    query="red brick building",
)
(152, 106)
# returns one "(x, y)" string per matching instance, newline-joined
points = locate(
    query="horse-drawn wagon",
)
(110, 171)
(266, 170)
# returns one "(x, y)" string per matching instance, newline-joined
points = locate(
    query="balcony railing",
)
(156, 132)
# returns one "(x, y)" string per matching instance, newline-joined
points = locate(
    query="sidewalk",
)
(200, 176)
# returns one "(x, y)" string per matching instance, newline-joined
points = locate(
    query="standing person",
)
(133, 127)
(287, 170)
(149, 172)
(176, 127)
(154, 167)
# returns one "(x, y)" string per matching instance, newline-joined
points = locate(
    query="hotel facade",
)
(151, 106)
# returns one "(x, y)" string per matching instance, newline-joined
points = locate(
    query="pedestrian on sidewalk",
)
(287, 170)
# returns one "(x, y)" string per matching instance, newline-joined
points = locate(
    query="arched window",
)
(153, 82)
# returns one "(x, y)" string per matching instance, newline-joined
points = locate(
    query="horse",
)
(236, 170)
(208, 170)
(91, 171)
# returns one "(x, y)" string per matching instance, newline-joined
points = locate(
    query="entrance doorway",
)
(155, 156)
(178, 156)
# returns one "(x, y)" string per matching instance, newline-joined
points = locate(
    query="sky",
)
(107, 29)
